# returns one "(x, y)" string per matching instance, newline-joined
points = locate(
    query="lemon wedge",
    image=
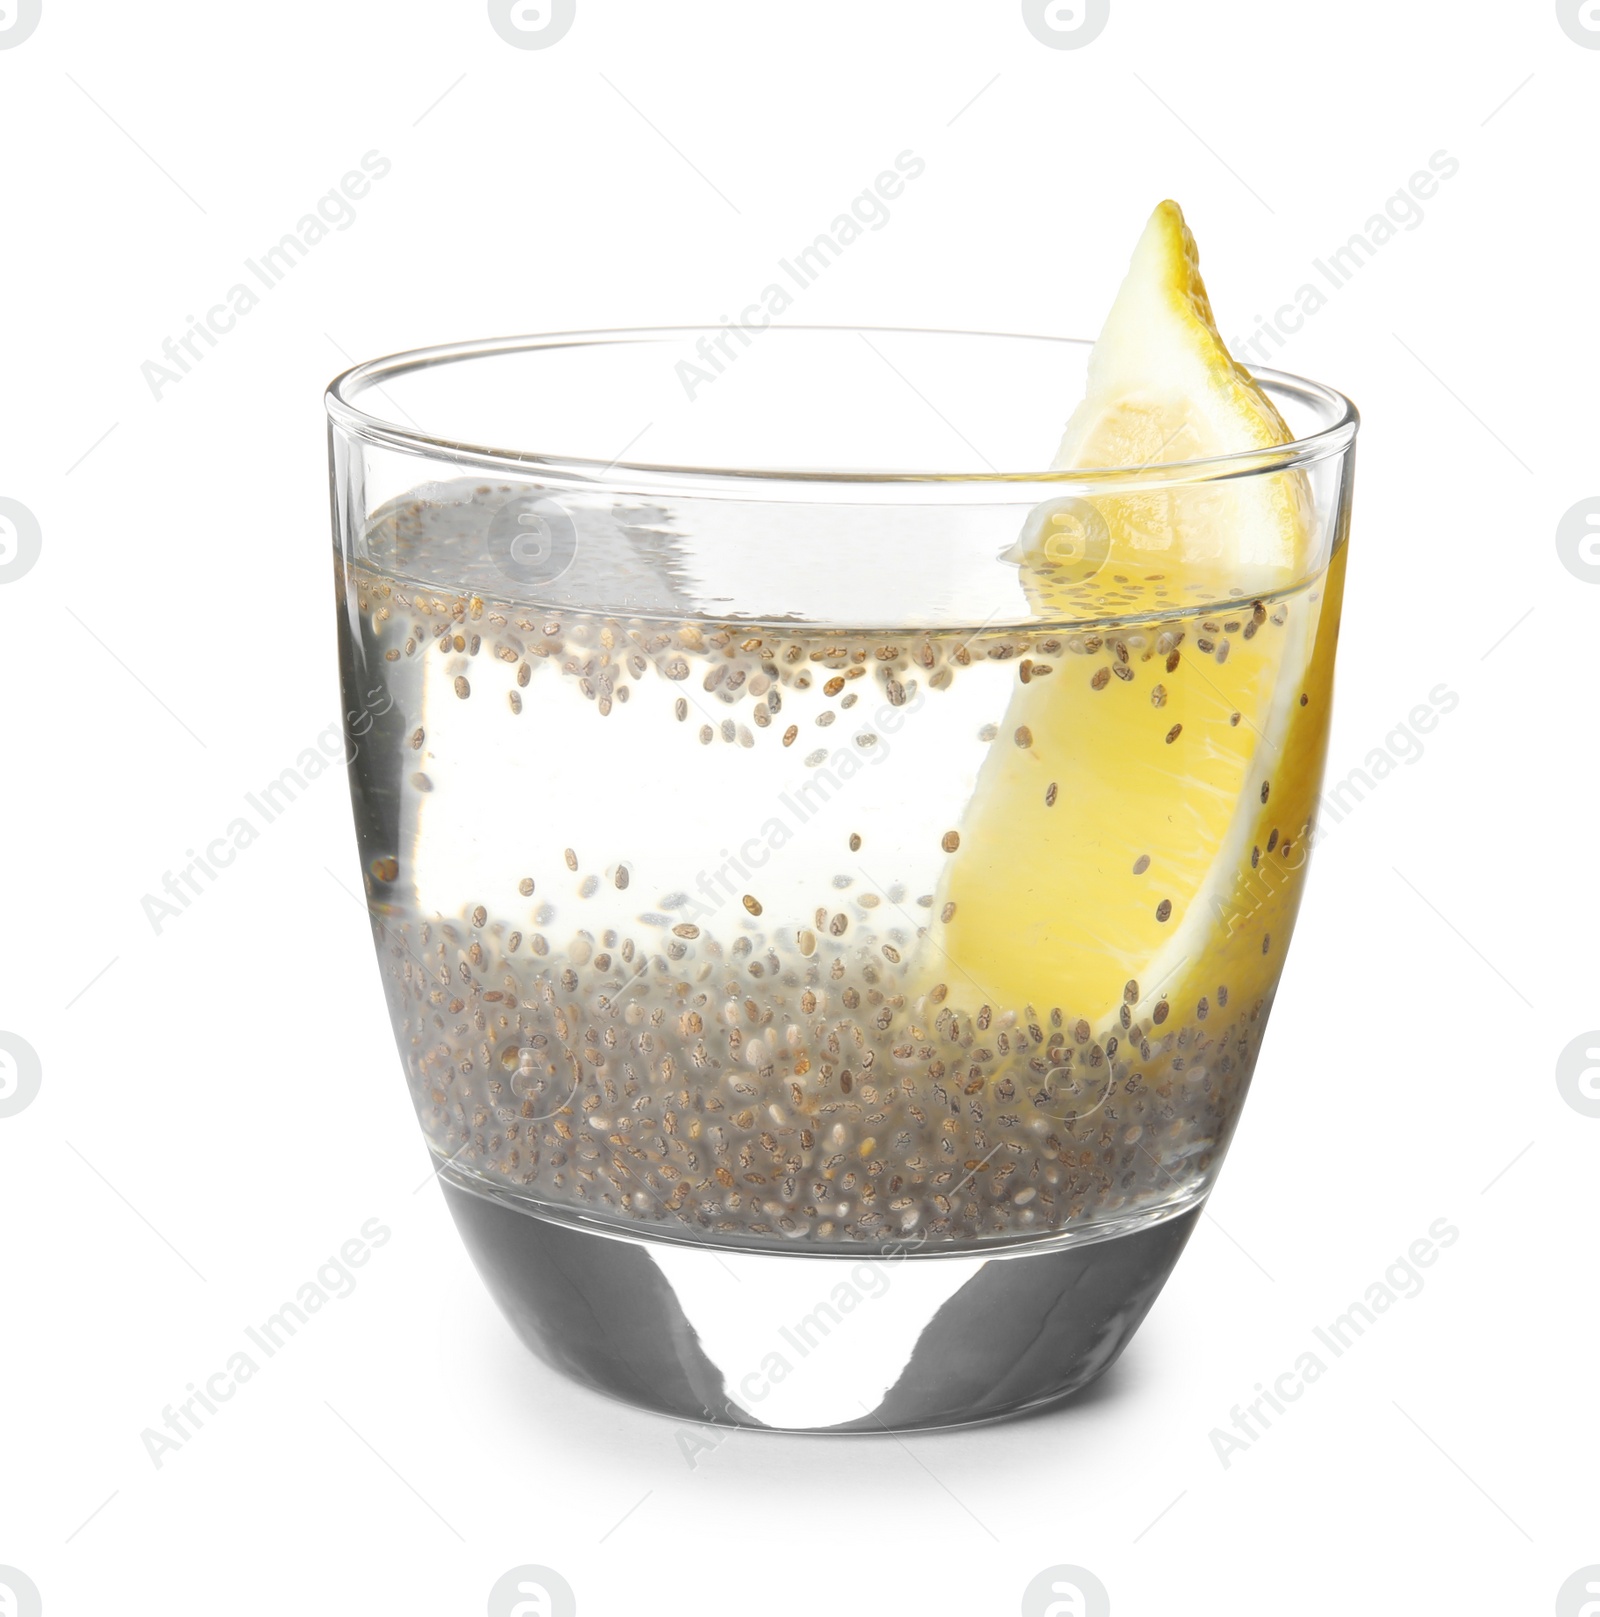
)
(1134, 844)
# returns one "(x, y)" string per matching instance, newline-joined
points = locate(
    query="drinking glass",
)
(829, 877)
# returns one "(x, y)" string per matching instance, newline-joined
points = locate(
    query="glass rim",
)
(367, 378)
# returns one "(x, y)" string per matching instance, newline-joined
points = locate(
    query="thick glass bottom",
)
(816, 1342)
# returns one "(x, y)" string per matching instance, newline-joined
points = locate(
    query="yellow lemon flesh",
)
(1135, 843)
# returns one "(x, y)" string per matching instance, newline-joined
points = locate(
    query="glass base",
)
(812, 1341)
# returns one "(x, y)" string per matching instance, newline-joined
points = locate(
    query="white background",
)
(233, 1078)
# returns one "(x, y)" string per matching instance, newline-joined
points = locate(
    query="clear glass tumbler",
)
(829, 878)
